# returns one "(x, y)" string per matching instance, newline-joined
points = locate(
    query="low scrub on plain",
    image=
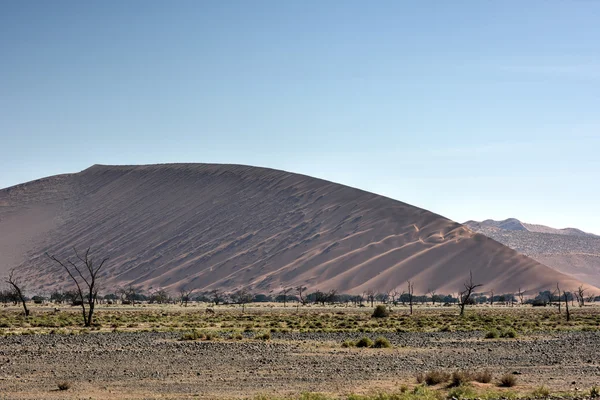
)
(484, 376)
(460, 378)
(507, 380)
(434, 377)
(381, 311)
(64, 385)
(382, 343)
(364, 342)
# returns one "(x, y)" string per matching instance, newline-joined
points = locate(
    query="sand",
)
(206, 226)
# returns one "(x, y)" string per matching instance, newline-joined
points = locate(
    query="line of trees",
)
(84, 272)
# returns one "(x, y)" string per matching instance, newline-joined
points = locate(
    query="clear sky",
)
(471, 109)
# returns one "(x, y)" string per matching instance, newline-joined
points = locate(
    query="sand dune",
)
(229, 226)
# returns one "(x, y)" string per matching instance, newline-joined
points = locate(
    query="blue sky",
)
(471, 109)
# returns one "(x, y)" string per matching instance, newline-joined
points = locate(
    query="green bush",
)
(381, 311)
(264, 336)
(541, 393)
(509, 333)
(492, 334)
(382, 343)
(193, 335)
(348, 343)
(364, 342)
(462, 392)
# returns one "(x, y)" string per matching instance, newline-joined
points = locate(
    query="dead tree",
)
(580, 294)
(131, 293)
(185, 296)
(590, 298)
(216, 295)
(284, 294)
(371, 296)
(17, 288)
(559, 301)
(433, 295)
(521, 294)
(465, 295)
(567, 307)
(85, 277)
(566, 297)
(242, 297)
(301, 290)
(492, 297)
(410, 295)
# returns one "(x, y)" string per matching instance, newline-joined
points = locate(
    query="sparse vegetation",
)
(434, 377)
(507, 380)
(460, 378)
(484, 376)
(492, 334)
(64, 385)
(364, 342)
(382, 343)
(541, 392)
(263, 336)
(381, 311)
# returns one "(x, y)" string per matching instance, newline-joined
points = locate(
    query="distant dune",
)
(228, 226)
(570, 251)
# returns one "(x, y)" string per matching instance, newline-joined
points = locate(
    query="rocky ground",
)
(159, 365)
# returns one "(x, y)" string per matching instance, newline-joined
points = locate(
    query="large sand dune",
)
(228, 226)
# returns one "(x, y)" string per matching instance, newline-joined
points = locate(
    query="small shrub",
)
(509, 333)
(382, 343)
(237, 336)
(541, 393)
(460, 378)
(381, 311)
(594, 392)
(193, 335)
(492, 334)
(364, 342)
(507, 380)
(462, 392)
(64, 385)
(484, 376)
(431, 378)
(264, 336)
(348, 343)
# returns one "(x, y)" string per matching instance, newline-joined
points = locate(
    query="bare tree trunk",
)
(17, 288)
(558, 289)
(410, 295)
(567, 307)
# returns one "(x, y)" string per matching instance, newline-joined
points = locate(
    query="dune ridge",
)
(208, 226)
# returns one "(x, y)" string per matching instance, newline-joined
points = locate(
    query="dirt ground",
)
(142, 365)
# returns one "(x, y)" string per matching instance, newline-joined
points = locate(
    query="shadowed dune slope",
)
(210, 226)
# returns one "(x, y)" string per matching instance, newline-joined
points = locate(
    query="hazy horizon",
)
(472, 110)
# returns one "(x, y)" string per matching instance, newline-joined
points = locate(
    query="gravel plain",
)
(159, 365)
